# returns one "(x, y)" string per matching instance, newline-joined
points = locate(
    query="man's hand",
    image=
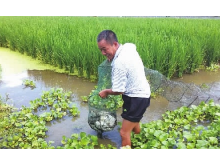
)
(103, 93)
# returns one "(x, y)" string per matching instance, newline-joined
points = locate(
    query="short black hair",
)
(107, 35)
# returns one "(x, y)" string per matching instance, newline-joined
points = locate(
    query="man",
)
(128, 79)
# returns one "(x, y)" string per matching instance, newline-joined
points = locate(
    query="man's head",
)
(108, 43)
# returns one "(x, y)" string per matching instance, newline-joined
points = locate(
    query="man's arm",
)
(104, 93)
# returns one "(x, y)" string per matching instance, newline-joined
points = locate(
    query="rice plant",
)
(172, 46)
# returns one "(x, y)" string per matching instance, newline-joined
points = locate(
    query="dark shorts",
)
(134, 108)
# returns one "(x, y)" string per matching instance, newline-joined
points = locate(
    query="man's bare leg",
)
(126, 129)
(137, 128)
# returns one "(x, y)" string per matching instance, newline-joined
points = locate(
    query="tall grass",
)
(170, 45)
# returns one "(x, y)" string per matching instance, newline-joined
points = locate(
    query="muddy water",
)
(17, 67)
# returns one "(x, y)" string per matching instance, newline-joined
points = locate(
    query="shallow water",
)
(17, 67)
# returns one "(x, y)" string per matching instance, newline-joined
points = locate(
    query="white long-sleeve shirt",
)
(128, 74)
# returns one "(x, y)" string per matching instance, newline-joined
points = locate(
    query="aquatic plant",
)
(29, 83)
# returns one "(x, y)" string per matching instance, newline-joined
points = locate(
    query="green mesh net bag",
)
(102, 111)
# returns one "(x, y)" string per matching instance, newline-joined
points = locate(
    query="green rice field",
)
(173, 46)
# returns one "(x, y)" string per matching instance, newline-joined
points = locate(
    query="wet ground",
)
(17, 67)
